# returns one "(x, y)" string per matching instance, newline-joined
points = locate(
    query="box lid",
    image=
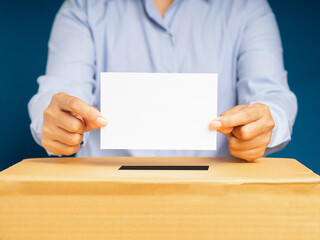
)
(175, 169)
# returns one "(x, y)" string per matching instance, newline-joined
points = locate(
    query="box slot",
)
(175, 168)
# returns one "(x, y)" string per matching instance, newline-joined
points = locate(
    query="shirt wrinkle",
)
(193, 36)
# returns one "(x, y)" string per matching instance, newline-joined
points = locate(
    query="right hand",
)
(65, 121)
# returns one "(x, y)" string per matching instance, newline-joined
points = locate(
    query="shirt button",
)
(167, 34)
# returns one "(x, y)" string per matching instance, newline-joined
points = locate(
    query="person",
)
(238, 39)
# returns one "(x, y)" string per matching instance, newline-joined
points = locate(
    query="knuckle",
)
(232, 143)
(244, 133)
(46, 144)
(251, 156)
(263, 107)
(56, 97)
(266, 141)
(271, 124)
(256, 155)
(74, 104)
(75, 139)
(45, 129)
(47, 113)
(70, 150)
(232, 151)
(75, 126)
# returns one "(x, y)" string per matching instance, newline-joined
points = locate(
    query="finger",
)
(250, 131)
(242, 145)
(246, 115)
(69, 122)
(215, 124)
(78, 106)
(225, 131)
(58, 148)
(248, 155)
(233, 110)
(61, 135)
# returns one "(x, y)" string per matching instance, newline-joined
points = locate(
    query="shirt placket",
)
(167, 38)
(168, 56)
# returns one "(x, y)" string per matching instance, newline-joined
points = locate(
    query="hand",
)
(249, 129)
(65, 121)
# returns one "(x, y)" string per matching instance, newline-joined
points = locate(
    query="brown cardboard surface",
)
(89, 198)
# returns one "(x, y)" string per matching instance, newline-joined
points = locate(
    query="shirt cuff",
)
(281, 133)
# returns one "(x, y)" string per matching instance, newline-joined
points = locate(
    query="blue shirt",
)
(238, 39)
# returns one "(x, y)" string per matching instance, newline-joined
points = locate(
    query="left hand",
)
(249, 129)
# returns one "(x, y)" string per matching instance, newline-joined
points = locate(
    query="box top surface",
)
(220, 170)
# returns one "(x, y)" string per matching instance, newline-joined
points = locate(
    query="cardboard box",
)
(221, 198)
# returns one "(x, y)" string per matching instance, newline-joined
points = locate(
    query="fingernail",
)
(215, 124)
(102, 121)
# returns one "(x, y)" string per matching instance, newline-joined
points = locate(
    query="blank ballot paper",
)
(169, 111)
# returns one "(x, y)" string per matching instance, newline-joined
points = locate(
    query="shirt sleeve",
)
(261, 74)
(70, 65)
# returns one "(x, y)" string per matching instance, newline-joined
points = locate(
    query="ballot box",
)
(159, 198)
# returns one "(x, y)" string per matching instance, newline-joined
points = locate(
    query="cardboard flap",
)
(157, 169)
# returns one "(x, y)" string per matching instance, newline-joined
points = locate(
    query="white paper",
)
(169, 111)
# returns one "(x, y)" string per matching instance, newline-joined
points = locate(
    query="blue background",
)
(25, 27)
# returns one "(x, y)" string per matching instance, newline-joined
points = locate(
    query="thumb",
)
(216, 125)
(89, 125)
(80, 109)
(225, 131)
(93, 119)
